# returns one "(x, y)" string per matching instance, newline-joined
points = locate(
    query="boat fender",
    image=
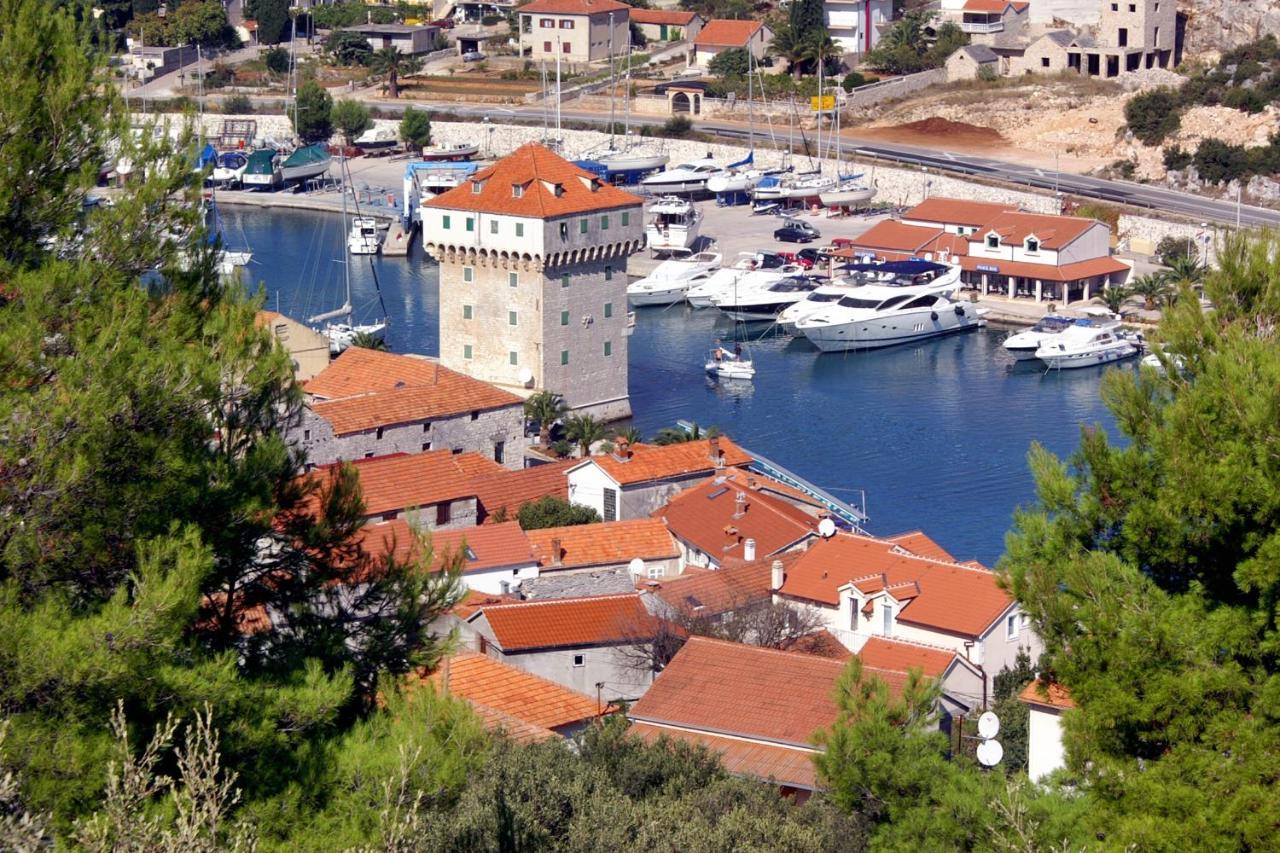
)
(959, 310)
(933, 315)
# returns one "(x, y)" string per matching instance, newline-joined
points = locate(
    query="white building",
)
(574, 30)
(721, 34)
(1046, 703)
(533, 257)
(855, 24)
(493, 558)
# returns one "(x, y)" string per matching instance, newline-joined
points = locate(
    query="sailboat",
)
(629, 156)
(742, 176)
(804, 185)
(850, 190)
(343, 335)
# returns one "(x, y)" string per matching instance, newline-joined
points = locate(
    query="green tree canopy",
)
(313, 119)
(735, 62)
(551, 511)
(415, 130)
(394, 64)
(351, 118)
(1152, 116)
(348, 47)
(274, 23)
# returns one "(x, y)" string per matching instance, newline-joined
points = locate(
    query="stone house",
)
(1045, 55)
(721, 34)
(967, 62)
(308, 349)
(573, 30)
(369, 403)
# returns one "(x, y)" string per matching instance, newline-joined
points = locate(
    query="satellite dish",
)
(636, 566)
(990, 752)
(525, 375)
(826, 528)
(988, 725)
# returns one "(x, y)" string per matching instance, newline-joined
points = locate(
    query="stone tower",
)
(533, 257)
(1145, 26)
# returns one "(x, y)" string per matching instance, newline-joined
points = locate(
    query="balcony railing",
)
(982, 26)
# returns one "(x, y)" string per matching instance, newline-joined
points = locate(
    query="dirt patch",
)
(937, 131)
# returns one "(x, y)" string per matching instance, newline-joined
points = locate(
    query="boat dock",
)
(842, 512)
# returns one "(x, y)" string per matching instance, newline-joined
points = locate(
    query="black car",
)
(813, 256)
(771, 260)
(795, 231)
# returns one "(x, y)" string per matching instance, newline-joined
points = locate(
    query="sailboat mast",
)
(346, 255)
(559, 50)
(627, 95)
(613, 83)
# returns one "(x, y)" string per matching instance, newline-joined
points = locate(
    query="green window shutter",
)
(519, 229)
(582, 226)
(511, 318)
(468, 274)
(626, 218)
(604, 223)
(564, 279)
(564, 318)
(564, 356)
(512, 357)
(608, 273)
(608, 348)
(466, 351)
(608, 310)
(466, 312)
(513, 279)
(471, 224)
(493, 226)
(446, 222)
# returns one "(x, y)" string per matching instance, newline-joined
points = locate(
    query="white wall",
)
(490, 580)
(587, 485)
(1044, 743)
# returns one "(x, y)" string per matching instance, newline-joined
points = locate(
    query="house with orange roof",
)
(533, 257)
(608, 546)
(721, 34)
(636, 479)
(863, 587)
(715, 594)
(573, 30)
(667, 25)
(601, 645)
(368, 403)
(725, 522)
(524, 706)
(502, 493)
(983, 20)
(1046, 702)
(308, 349)
(1002, 249)
(494, 558)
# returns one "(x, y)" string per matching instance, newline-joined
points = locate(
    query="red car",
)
(443, 23)
(793, 258)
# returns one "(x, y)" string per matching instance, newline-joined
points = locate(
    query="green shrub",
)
(987, 73)
(276, 59)
(1176, 159)
(1172, 249)
(852, 80)
(730, 63)
(237, 105)
(1218, 162)
(1153, 115)
(492, 20)
(348, 47)
(1246, 100)
(677, 126)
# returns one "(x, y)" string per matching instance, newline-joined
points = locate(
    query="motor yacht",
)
(1023, 345)
(377, 138)
(722, 282)
(910, 301)
(229, 167)
(688, 177)
(456, 151)
(813, 302)
(365, 237)
(672, 224)
(671, 279)
(1084, 344)
(762, 300)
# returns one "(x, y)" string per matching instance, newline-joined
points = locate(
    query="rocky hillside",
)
(1217, 25)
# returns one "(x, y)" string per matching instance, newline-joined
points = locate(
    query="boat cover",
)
(261, 162)
(768, 182)
(317, 153)
(207, 155)
(750, 158)
(897, 267)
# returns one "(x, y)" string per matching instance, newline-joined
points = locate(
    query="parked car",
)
(770, 260)
(809, 257)
(472, 56)
(797, 258)
(795, 231)
(444, 23)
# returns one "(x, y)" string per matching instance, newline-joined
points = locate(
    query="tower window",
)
(608, 310)
(582, 226)
(564, 279)
(466, 312)
(626, 218)
(608, 348)
(604, 223)
(468, 274)
(511, 319)
(564, 318)
(519, 229)
(608, 273)
(445, 222)
(513, 279)
(513, 357)
(471, 223)
(466, 351)
(564, 356)
(493, 226)
(564, 230)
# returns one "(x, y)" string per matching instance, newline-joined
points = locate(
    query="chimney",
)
(621, 449)
(749, 550)
(717, 455)
(555, 552)
(777, 576)
(739, 504)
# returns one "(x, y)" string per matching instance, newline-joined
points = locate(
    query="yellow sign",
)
(826, 102)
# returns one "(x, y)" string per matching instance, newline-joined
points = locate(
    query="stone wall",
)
(1141, 235)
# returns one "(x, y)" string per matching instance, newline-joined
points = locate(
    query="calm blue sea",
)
(935, 433)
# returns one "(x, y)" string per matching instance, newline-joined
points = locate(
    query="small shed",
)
(967, 62)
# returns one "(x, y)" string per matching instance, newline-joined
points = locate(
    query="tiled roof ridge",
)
(948, 563)
(729, 733)
(469, 653)
(552, 601)
(933, 647)
(763, 649)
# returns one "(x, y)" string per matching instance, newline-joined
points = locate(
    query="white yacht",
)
(671, 279)
(229, 167)
(794, 188)
(365, 237)
(916, 302)
(1084, 344)
(849, 191)
(377, 138)
(631, 158)
(750, 268)
(685, 178)
(762, 299)
(814, 301)
(1023, 345)
(672, 224)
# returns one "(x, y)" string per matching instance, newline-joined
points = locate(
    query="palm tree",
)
(394, 64)
(1152, 287)
(1114, 298)
(1185, 270)
(630, 435)
(792, 47)
(545, 408)
(679, 435)
(364, 340)
(585, 430)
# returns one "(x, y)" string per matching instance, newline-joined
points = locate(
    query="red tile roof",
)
(649, 462)
(569, 622)
(364, 389)
(721, 32)
(720, 591)
(551, 186)
(747, 691)
(510, 490)
(919, 543)
(670, 17)
(1048, 694)
(899, 656)
(954, 211)
(950, 597)
(475, 601)
(577, 7)
(891, 235)
(603, 544)
(495, 546)
(994, 6)
(1054, 232)
(510, 725)
(527, 697)
(821, 643)
(784, 765)
(403, 480)
(719, 516)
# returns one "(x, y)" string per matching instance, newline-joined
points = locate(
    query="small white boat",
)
(456, 151)
(848, 192)
(763, 300)
(365, 237)
(1023, 345)
(229, 262)
(1085, 345)
(342, 335)
(229, 167)
(1153, 361)
(794, 188)
(728, 364)
(688, 177)
(672, 224)
(306, 163)
(671, 280)
(633, 158)
(377, 138)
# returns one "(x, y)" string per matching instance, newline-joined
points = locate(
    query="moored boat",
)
(1084, 344)
(672, 224)
(377, 138)
(688, 177)
(455, 151)
(365, 237)
(306, 163)
(671, 279)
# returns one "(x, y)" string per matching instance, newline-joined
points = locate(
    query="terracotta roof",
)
(1092, 268)
(476, 601)
(510, 725)
(1054, 232)
(606, 543)
(951, 597)
(266, 318)
(569, 622)
(402, 480)
(823, 644)
(891, 235)
(575, 7)
(1049, 694)
(746, 691)
(510, 490)
(249, 620)
(649, 462)
(899, 656)
(995, 6)
(493, 546)
(721, 32)
(783, 764)
(504, 688)
(954, 211)
(551, 186)
(718, 516)
(720, 591)
(364, 389)
(919, 543)
(671, 17)
(769, 486)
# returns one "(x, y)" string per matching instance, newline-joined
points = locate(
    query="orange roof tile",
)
(996, 6)
(569, 622)
(527, 697)
(919, 543)
(475, 601)
(1014, 226)
(893, 236)
(1049, 694)
(648, 462)
(954, 211)
(769, 486)
(671, 17)
(403, 480)
(493, 546)
(746, 691)
(709, 593)
(945, 596)
(721, 32)
(900, 656)
(550, 186)
(783, 764)
(510, 725)
(606, 543)
(823, 644)
(576, 7)
(719, 516)
(510, 490)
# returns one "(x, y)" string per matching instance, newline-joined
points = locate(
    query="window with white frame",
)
(1011, 627)
(579, 660)
(887, 611)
